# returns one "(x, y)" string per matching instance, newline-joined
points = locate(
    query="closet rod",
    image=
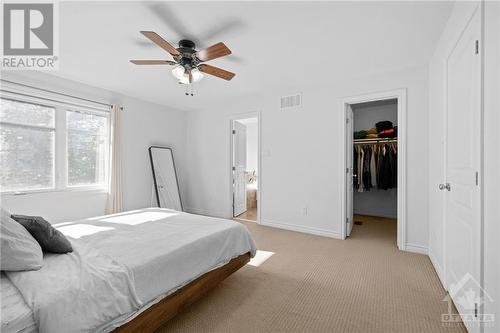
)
(366, 141)
(56, 93)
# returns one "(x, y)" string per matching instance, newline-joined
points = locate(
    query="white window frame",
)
(61, 106)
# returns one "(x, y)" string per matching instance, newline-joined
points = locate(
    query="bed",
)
(172, 259)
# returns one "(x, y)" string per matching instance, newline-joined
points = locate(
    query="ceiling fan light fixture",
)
(183, 76)
(178, 72)
(197, 74)
(184, 79)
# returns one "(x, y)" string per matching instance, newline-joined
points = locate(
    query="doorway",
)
(245, 168)
(375, 171)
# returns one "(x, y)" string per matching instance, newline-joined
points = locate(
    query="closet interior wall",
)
(375, 202)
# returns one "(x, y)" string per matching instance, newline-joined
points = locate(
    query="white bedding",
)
(77, 292)
(16, 315)
(164, 249)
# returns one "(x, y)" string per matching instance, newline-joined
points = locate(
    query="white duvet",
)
(77, 292)
(152, 253)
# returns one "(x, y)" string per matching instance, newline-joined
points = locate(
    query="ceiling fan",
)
(189, 63)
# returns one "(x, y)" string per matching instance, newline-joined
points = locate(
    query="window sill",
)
(66, 191)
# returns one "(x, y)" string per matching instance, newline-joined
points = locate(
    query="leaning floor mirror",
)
(165, 180)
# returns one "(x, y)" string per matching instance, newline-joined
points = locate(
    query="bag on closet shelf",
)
(390, 133)
(383, 125)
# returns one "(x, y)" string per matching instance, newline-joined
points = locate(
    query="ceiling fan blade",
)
(223, 27)
(175, 23)
(234, 58)
(215, 51)
(153, 62)
(216, 71)
(158, 40)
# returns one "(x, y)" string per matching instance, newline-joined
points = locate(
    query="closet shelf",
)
(375, 140)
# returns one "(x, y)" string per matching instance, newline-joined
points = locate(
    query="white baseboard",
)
(207, 212)
(300, 228)
(439, 270)
(416, 248)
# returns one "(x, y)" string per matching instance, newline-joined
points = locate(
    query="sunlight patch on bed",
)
(260, 258)
(80, 230)
(138, 218)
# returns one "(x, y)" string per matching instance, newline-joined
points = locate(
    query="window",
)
(52, 147)
(27, 146)
(87, 143)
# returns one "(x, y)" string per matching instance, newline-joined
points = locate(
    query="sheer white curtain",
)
(114, 204)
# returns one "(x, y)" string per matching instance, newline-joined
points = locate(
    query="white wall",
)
(375, 202)
(144, 124)
(491, 177)
(302, 162)
(366, 115)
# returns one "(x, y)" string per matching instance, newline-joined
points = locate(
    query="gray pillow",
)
(50, 239)
(20, 251)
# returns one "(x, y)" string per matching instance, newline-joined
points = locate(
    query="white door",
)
(463, 161)
(349, 171)
(239, 169)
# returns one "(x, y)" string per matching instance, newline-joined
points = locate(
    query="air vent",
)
(292, 101)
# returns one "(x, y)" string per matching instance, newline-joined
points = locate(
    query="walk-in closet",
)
(375, 167)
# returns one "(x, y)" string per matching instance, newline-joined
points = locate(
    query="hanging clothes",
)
(367, 180)
(394, 165)
(375, 166)
(361, 157)
(386, 174)
(380, 157)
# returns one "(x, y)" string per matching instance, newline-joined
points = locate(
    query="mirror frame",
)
(154, 174)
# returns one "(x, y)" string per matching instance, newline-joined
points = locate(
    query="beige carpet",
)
(318, 284)
(249, 215)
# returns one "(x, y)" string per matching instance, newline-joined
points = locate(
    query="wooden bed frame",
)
(158, 314)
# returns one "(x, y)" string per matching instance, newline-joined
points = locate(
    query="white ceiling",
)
(277, 46)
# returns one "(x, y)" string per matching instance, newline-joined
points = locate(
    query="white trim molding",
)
(416, 248)
(438, 268)
(300, 228)
(207, 212)
(400, 95)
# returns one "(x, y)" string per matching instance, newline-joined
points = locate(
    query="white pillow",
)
(19, 251)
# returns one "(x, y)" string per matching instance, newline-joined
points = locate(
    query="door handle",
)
(445, 186)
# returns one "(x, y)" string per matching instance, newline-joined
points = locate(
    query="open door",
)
(239, 168)
(462, 184)
(349, 171)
